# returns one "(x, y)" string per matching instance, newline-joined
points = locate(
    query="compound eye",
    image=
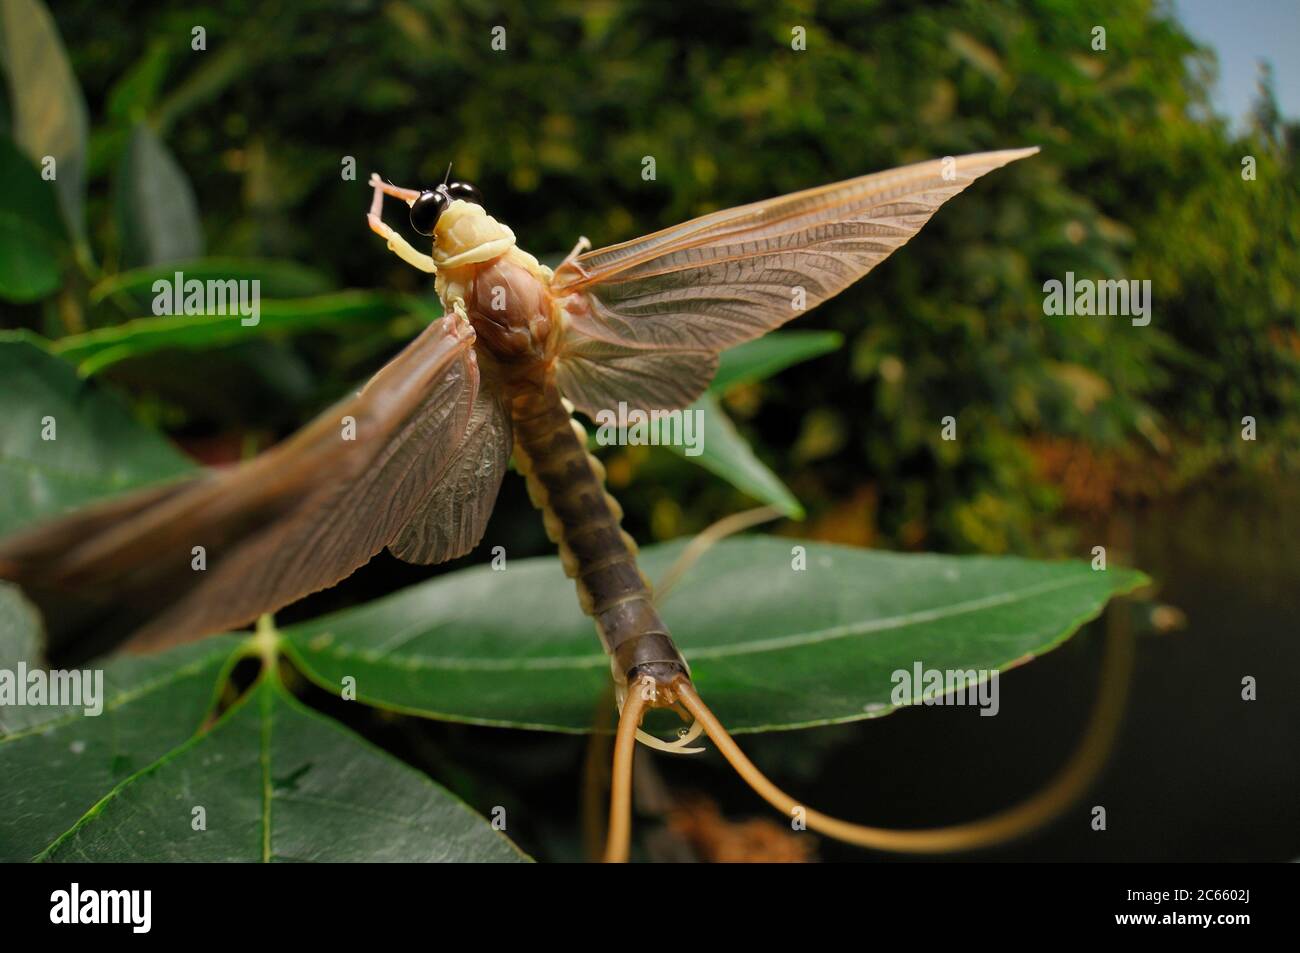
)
(426, 210)
(465, 192)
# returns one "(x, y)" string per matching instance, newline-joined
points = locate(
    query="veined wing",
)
(296, 519)
(716, 281)
(454, 512)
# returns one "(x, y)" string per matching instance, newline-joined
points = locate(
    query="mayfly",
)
(519, 348)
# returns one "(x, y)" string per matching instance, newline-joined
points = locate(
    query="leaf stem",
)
(266, 642)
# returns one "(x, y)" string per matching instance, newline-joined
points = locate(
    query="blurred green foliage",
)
(1137, 179)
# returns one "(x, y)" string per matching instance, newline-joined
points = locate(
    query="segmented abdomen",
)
(568, 485)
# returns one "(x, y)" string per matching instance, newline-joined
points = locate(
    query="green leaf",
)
(725, 452)
(278, 782)
(231, 62)
(122, 783)
(722, 450)
(762, 357)
(58, 762)
(31, 230)
(29, 262)
(278, 279)
(27, 196)
(20, 633)
(98, 449)
(158, 216)
(49, 112)
(770, 647)
(101, 348)
(135, 93)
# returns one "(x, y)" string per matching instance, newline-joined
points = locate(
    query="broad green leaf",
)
(771, 647)
(49, 112)
(29, 261)
(27, 196)
(31, 229)
(135, 93)
(20, 632)
(725, 452)
(97, 449)
(278, 782)
(278, 279)
(762, 357)
(57, 762)
(129, 101)
(101, 348)
(158, 216)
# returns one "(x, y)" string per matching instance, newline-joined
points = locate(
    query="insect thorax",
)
(508, 303)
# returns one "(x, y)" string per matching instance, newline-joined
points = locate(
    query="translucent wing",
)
(453, 515)
(296, 519)
(717, 281)
(597, 374)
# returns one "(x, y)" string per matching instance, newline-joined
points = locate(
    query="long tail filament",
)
(1070, 782)
(618, 840)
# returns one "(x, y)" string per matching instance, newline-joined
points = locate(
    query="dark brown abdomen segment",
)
(568, 485)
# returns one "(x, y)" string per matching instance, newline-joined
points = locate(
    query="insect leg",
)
(584, 243)
(396, 243)
(396, 191)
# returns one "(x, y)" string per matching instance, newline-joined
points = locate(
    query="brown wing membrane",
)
(296, 519)
(596, 375)
(731, 276)
(453, 514)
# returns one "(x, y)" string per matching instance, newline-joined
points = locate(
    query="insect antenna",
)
(1070, 782)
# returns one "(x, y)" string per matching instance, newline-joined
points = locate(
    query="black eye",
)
(465, 192)
(426, 209)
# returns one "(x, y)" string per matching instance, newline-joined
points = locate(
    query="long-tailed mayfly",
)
(519, 347)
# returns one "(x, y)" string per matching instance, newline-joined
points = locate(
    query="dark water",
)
(1197, 772)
